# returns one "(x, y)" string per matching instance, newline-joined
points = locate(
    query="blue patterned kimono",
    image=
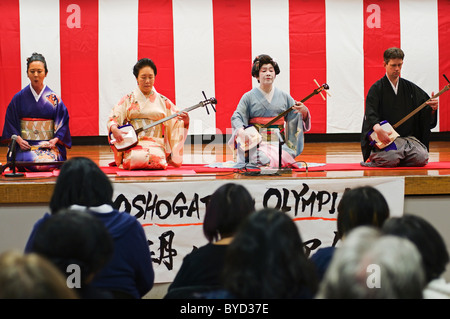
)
(253, 104)
(25, 117)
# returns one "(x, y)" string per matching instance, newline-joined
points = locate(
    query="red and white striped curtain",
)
(208, 45)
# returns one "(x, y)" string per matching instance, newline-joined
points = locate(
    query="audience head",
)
(31, 276)
(360, 206)
(371, 266)
(425, 237)
(228, 206)
(73, 238)
(266, 259)
(81, 182)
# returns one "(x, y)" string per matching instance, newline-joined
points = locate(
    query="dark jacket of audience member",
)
(82, 184)
(359, 206)
(200, 270)
(266, 260)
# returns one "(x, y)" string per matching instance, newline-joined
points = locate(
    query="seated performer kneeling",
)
(390, 100)
(160, 145)
(258, 107)
(37, 120)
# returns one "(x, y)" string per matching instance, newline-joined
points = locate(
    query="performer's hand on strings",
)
(184, 116)
(300, 108)
(434, 103)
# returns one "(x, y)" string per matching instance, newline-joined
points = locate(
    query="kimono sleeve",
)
(175, 136)
(118, 114)
(240, 118)
(12, 120)
(371, 117)
(296, 126)
(241, 115)
(62, 129)
(426, 118)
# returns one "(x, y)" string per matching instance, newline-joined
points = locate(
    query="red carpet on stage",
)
(358, 167)
(188, 169)
(192, 169)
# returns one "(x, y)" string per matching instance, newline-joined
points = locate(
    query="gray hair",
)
(398, 263)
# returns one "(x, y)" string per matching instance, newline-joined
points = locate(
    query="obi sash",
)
(268, 134)
(35, 129)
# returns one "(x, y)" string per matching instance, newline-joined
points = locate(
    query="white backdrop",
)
(208, 45)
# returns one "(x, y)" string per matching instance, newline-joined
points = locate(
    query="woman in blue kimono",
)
(257, 145)
(38, 120)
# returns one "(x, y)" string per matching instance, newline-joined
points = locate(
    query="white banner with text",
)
(172, 212)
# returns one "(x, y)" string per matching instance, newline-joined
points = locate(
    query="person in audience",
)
(79, 245)
(38, 120)
(200, 270)
(370, 265)
(82, 184)
(266, 260)
(159, 146)
(431, 246)
(364, 205)
(31, 276)
(257, 107)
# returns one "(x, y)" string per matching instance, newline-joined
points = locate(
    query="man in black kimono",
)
(390, 99)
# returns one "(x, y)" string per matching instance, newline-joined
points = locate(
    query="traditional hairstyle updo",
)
(37, 57)
(260, 60)
(143, 63)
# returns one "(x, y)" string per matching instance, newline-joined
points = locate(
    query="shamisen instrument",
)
(283, 114)
(251, 137)
(130, 138)
(373, 137)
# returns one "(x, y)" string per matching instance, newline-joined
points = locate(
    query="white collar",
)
(153, 91)
(395, 87)
(105, 208)
(269, 95)
(37, 96)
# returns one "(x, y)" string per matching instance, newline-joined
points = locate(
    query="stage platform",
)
(23, 200)
(336, 160)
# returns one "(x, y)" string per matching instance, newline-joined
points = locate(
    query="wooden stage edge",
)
(418, 182)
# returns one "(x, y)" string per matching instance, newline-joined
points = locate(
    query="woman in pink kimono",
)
(158, 146)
